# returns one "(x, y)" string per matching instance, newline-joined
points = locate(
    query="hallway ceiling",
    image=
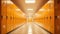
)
(28, 6)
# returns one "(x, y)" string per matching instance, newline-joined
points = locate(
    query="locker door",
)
(57, 16)
(3, 17)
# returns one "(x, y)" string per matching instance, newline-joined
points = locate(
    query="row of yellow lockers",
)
(10, 18)
(46, 18)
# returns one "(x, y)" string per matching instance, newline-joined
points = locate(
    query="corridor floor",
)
(29, 28)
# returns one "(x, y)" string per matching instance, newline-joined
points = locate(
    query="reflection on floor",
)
(29, 28)
(38, 30)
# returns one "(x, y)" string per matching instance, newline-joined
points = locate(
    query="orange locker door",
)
(3, 18)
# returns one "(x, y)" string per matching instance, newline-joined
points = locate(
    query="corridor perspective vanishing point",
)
(30, 17)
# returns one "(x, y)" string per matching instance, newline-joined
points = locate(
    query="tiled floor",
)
(29, 29)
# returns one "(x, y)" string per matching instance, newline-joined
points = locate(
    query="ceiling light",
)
(29, 1)
(7, 2)
(50, 1)
(29, 9)
(37, 15)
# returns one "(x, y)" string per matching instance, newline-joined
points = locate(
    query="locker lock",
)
(58, 17)
(4, 26)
